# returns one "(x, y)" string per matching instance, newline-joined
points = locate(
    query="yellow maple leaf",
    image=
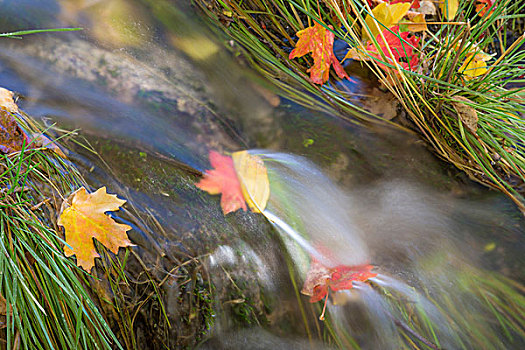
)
(83, 219)
(449, 8)
(384, 16)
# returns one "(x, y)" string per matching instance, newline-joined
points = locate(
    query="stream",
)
(151, 89)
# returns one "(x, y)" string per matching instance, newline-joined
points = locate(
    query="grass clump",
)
(444, 80)
(44, 295)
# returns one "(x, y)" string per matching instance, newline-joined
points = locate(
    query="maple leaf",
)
(320, 279)
(83, 218)
(483, 6)
(397, 46)
(223, 179)
(319, 42)
(241, 178)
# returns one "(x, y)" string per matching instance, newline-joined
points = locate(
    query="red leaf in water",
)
(223, 179)
(318, 41)
(401, 45)
(320, 278)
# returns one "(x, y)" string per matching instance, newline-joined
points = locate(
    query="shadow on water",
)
(349, 195)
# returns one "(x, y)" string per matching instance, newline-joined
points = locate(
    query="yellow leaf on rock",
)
(83, 219)
(449, 8)
(384, 16)
(253, 177)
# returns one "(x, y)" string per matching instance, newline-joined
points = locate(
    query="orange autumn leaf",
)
(223, 180)
(319, 279)
(83, 218)
(319, 42)
(483, 6)
(241, 179)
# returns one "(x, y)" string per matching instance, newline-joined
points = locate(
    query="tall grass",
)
(46, 296)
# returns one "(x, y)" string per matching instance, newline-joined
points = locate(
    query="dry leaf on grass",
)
(83, 218)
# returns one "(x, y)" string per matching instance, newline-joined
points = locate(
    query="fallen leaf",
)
(254, 181)
(475, 64)
(483, 6)
(319, 279)
(449, 8)
(427, 8)
(417, 22)
(83, 218)
(401, 46)
(467, 114)
(384, 16)
(319, 42)
(223, 180)
(12, 137)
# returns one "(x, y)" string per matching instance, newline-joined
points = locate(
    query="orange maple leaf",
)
(223, 179)
(483, 6)
(318, 41)
(319, 279)
(83, 219)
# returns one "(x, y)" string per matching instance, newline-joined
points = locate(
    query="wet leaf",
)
(319, 42)
(254, 181)
(449, 8)
(467, 114)
(83, 218)
(399, 47)
(319, 279)
(384, 16)
(222, 179)
(12, 136)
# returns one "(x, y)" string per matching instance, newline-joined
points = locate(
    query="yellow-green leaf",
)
(253, 177)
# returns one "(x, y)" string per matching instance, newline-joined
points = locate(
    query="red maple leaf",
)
(483, 6)
(223, 179)
(401, 45)
(319, 42)
(319, 279)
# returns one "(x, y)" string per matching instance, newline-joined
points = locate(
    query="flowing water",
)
(152, 90)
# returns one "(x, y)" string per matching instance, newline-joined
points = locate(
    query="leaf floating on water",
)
(84, 219)
(319, 42)
(222, 179)
(253, 178)
(467, 114)
(320, 278)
